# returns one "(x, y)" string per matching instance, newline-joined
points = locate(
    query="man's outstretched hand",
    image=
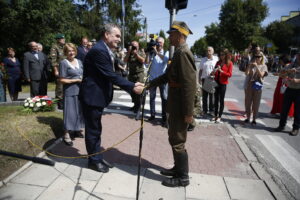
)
(138, 88)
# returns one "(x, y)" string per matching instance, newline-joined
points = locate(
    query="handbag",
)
(257, 85)
(209, 85)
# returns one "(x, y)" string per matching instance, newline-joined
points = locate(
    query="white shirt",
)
(159, 65)
(207, 66)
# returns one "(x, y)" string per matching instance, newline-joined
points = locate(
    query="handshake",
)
(138, 88)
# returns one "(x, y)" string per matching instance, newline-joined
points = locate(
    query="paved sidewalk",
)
(218, 168)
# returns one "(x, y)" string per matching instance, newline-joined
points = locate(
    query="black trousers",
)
(219, 99)
(38, 88)
(93, 129)
(290, 96)
(210, 97)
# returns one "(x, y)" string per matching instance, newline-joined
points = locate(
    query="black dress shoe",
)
(279, 129)
(294, 132)
(98, 167)
(191, 127)
(107, 163)
(151, 118)
(79, 134)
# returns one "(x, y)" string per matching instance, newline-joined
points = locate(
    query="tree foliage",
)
(240, 21)
(281, 34)
(22, 21)
(199, 47)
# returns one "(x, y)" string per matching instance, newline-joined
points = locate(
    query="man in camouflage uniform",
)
(181, 77)
(57, 55)
(197, 108)
(135, 59)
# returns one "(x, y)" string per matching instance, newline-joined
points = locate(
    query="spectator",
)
(40, 47)
(82, 49)
(57, 55)
(285, 61)
(222, 72)
(119, 64)
(36, 68)
(255, 72)
(291, 95)
(94, 41)
(2, 85)
(70, 75)
(158, 67)
(135, 62)
(206, 67)
(89, 45)
(13, 70)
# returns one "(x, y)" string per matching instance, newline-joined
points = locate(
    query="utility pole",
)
(123, 24)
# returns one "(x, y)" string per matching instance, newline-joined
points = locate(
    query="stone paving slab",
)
(66, 188)
(120, 181)
(153, 189)
(247, 189)
(14, 191)
(39, 175)
(206, 187)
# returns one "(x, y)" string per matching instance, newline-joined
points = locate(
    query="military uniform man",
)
(197, 107)
(57, 55)
(135, 60)
(181, 77)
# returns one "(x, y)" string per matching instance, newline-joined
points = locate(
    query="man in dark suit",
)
(36, 68)
(82, 49)
(97, 91)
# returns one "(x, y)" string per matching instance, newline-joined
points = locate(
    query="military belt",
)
(173, 84)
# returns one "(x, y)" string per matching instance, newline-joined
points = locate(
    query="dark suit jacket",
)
(81, 53)
(36, 69)
(99, 77)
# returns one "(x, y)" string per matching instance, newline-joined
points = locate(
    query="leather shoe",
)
(279, 129)
(151, 118)
(176, 182)
(191, 127)
(294, 132)
(98, 167)
(107, 163)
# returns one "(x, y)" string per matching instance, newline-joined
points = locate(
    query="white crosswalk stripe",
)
(284, 153)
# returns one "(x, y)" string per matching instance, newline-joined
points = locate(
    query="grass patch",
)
(26, 88)
(42, 128)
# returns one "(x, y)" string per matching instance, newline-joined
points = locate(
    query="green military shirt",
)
(56, 54)
(181, 76)
(134, 65)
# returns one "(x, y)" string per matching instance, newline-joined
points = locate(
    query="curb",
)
(28, 164)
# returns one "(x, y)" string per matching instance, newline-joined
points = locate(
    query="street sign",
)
(269, 45)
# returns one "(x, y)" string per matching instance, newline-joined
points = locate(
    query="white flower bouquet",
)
(39, 104)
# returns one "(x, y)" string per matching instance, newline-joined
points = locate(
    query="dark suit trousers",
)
(93, 129)
(38, 88)
(290, 96)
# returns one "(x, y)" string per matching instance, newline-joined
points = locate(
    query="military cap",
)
(59, 36)
(181, 27)
(93, 40)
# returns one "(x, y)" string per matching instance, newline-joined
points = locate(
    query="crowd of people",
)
(85, 77)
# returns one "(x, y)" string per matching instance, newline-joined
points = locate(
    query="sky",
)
(200, 13)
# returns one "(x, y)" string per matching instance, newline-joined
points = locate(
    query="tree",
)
(215, 38)
(240, 21)
(199, 47)
(281, 34)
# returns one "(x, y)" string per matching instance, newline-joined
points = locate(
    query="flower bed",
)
(39, 104)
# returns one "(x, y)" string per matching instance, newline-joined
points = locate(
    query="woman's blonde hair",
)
(69, 46)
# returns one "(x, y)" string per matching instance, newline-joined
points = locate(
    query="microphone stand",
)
(30, 158)
(142, 108)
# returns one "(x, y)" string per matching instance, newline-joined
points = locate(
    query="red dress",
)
(278, 100)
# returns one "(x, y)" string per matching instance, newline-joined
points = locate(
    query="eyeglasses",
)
(257, 56)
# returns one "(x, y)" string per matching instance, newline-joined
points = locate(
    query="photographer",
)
(158, 59)
(135, 60)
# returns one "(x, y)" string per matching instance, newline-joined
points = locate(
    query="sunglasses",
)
(257, 56)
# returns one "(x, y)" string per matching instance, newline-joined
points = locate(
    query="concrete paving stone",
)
(247, 189)
(15, 191)
(37, 174)
(66, 188)
(78, 171)
(61, 164)
(98, 196)
(119, 181)
(153, 189)
(206, 187)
